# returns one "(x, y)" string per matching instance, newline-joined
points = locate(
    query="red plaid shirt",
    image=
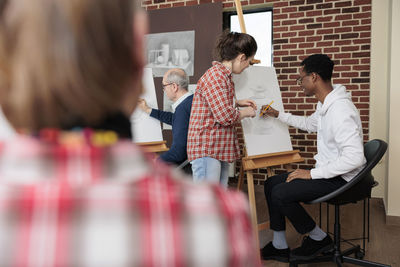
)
(211, 127)
(109, 206)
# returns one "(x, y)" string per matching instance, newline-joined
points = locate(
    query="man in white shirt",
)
(340, 156)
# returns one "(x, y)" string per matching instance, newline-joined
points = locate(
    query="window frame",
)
(227, 13)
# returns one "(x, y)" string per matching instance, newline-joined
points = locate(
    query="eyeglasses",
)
(165, 85)
(300, 79)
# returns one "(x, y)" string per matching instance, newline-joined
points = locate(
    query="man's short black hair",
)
(320, 64)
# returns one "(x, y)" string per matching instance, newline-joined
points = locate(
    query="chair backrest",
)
(183, 164)
(360, 186)
(185, 167)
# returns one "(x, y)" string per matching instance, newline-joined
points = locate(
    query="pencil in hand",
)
(266, 108)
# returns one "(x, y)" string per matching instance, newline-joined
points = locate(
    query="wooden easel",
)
(250, 163)
(154, 147)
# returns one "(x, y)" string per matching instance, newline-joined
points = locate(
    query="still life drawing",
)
(262, 135)
(170, 50)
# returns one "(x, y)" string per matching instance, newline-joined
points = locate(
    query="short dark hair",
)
(320, 64)
(230, 44)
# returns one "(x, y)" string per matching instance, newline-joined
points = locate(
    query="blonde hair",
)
(65, 61)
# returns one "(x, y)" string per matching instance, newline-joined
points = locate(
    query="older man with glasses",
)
(175, 85)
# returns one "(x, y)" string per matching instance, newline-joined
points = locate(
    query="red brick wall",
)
(340, 29)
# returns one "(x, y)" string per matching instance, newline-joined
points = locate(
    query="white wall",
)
(393, 207)
(378, 121)
(385, 98)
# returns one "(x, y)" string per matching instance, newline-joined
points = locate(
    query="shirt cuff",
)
(316, 173)
(283, 116)
(237, 115)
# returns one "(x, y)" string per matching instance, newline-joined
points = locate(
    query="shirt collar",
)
(225, 69)
(180, 100)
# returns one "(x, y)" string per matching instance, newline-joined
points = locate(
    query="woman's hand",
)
(246, 103)
(247, 112)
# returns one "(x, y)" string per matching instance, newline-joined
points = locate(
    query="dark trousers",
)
(283, 199)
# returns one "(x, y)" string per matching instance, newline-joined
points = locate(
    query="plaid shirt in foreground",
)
(211, 127)
(91, 206)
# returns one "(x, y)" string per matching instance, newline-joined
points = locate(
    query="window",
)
(259, 25)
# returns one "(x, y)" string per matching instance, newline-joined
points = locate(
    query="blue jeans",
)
(210, 170)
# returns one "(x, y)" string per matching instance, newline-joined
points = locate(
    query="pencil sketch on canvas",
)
(170, 50)
(168, 104)
(145, 128)
(262, 135)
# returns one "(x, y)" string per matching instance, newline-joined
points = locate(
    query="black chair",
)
(186, 167)
(359, 188)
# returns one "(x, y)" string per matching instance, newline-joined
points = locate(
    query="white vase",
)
(165, 52)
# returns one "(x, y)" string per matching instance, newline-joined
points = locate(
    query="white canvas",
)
(192, 88)
(144, 127)
(262, 135)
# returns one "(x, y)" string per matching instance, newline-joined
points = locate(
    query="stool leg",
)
(336, 236)
(364, 235)
(338, 261)
(368, 218)
(320, 215)
(327, 217)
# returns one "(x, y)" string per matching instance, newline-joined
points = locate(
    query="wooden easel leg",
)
(253, 211)
(270, 172)
(263, 226)
(241, 178)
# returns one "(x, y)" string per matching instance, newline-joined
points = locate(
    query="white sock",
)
(317, 234)
(279, 240)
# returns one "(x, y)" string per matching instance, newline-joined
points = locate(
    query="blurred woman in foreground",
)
(73, 194)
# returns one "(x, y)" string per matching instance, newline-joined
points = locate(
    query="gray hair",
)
(179, 77)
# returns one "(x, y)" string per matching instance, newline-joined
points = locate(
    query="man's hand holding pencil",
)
(267, 110)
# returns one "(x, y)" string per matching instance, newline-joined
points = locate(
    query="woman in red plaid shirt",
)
(212, 140)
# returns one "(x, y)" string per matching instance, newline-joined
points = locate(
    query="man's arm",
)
(349, 141)
(305, 123)
(162, 116)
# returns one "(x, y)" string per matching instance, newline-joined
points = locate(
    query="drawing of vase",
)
(184, 57)
(175, 57)
(165, 53)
